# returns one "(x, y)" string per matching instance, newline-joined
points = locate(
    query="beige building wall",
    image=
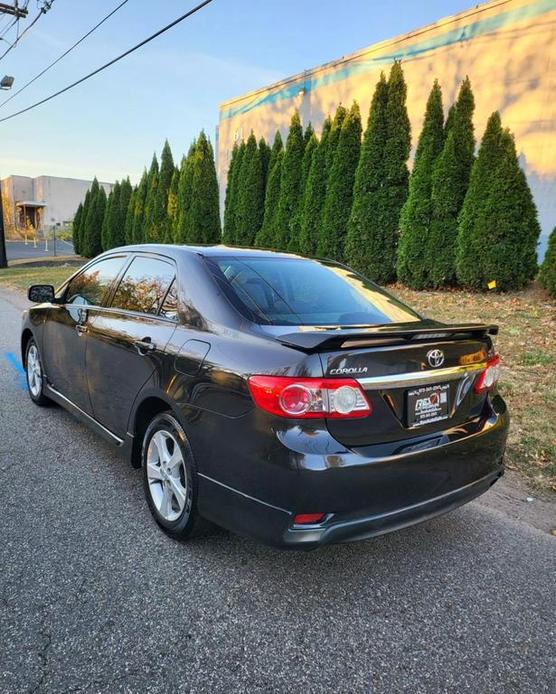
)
(508, 49)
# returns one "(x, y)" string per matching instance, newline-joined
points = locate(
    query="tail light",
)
(308, 518)
(306, 398)
(489, 377)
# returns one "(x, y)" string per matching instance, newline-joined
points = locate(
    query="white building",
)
(44, 202)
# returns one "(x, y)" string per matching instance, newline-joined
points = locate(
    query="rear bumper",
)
(362, 496)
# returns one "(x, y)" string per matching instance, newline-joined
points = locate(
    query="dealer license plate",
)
(428, 404)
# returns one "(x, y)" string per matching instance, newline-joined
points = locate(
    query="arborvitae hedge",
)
(310, 148)
(118, 228)
(265, 153)
(104, 230)
(498, 229)
(203, 222)
(130, 215)
(290, 193)
(415, 217)
(150, 225)
(92, 244)
(185, 193)
(314, 195)
(339, 193)
(265, 237)
(450, 183)
(547, 274)
(160, 229)
(232, 192)
(365, 244)
(139, 209)
(172, 206)
(250, 197)
(75, 229)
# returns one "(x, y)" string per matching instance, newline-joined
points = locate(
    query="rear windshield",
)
(298, 291)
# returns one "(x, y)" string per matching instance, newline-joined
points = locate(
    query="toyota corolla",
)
(280, 397)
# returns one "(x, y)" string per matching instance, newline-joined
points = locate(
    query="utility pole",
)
(13, 10)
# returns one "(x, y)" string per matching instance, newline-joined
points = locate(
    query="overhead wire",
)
(44, 9)
(63, 55)
(110, 62)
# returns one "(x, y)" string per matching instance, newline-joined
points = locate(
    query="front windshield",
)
(299, 291)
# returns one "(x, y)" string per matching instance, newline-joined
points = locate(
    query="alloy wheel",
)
(166, 475)
(34, 371)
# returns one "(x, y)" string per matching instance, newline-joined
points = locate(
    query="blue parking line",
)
(21, 375)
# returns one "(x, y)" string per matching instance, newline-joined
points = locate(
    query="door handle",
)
(80, 329)
(145, 345)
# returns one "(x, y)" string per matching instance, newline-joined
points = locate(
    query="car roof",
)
(207, 251)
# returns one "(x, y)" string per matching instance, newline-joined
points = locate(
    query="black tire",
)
(188, 523)
(36, 392)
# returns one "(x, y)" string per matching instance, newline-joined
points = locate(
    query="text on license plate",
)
(428, 404)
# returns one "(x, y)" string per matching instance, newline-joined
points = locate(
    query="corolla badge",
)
(435, 357)
(352, 370)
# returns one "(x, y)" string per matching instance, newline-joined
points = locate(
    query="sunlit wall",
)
(508, 49)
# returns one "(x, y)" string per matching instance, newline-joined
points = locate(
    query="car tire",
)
(170, 478)
(35, 374)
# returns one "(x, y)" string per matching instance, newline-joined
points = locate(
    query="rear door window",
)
(91, 287)
(144, 286)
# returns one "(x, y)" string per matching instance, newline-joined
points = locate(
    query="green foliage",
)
(91, 243)
(366, 244)
(160, 223)
(265, 154)
(232, 189)
(129, 217)
(265, 237)
(250, 197)
(118, 227)
(415, 219)
(498, 226)
(185, 192)
(104, 230)
(139, 209)
(547, 273)
(314, 195)
(334, 137)
(172, 206)
(290, 193)
(111, 217)
(339, 192)
(202, 224)
(150, 229)
(310, 148)
(76, 226)
(450, 183)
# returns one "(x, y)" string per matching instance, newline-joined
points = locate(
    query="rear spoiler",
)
(374, 336)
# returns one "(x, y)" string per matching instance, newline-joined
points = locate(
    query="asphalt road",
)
(94, 598)
(17, 250)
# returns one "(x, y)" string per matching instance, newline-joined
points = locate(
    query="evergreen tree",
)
(277, 147)
(449, 186)
(308, 134)
(111, 217)
(265, 237)
(129, 217)
(265, 154)
(314, 195)
(172, 206)
(367, 247)
(92, 243)
(547, 273)
(415, 217)
(76, 226)
(150, 231)
(334, 137)
(160, 226)
(104, 234)
(310, 148)
(139, 210)
(290, 193)
(232, 191)
(339, 193)
(498, 226)
(202, 225)
(185, 192)
(118, 227)
(250, 198)
(449, 121)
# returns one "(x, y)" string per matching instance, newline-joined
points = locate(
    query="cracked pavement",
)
(95, 598)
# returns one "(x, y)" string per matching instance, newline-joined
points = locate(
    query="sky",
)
(110, 126)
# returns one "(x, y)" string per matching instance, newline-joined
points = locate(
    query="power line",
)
(47, 68)
(44, 9)
(111, 62)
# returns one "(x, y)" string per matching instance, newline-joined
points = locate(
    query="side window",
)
(90, 287)
(169, 307)
(144, 285)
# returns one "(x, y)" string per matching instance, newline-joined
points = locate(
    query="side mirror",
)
(40, 293)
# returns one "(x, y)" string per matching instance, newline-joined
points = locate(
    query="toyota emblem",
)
(435, 357)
